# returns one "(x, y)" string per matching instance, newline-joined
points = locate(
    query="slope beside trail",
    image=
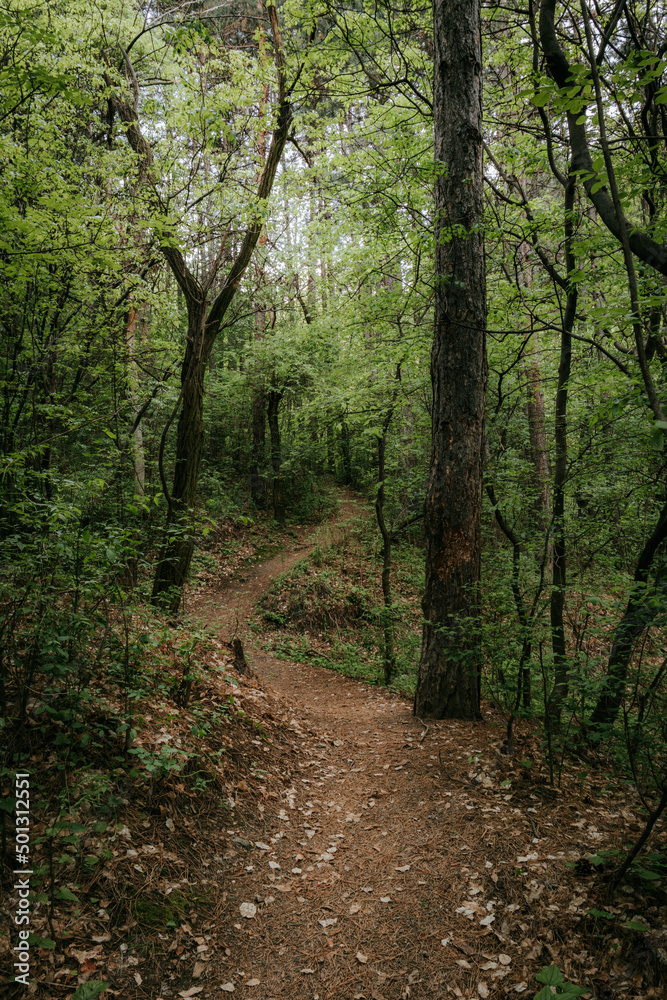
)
(399, 858)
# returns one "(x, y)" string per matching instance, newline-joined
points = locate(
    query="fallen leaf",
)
(193, 990)
(487, 920)
(227, 987)
(262, 847)
(329, 922)
(308, 972)
(483, 990)
(248, 910)
(385, 899)
(462, 962)
(521, 988)
(137, 978)
(362, 958)
(253, 982)
(403, 868)
(86, 956)
(169, 823)
(282, 888)
(355, 908)
(274, 864)
(504, 959)
(198, 969)
(488, 965)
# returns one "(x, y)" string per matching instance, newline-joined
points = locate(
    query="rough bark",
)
(449, 669)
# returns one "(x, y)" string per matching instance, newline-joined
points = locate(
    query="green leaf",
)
(65, 893)
(39, 942)
(601, 913)
(551, 975)
(88, 990)
(633, 925)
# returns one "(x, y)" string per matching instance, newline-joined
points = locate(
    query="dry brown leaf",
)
(362, 958)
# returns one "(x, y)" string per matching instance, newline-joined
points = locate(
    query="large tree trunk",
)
(449, 670)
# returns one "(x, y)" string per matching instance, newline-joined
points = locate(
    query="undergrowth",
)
(327, 610)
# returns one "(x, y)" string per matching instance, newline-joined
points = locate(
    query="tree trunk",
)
(639, 614)
(276, 456)
(559, 578)
(449, 671)
(538, 435)
(257, 478)
(387, 624)
(203, 321)
(345, 452)
(137, 437)
(176, 554)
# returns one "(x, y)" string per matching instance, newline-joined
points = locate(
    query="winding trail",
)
(357, 873)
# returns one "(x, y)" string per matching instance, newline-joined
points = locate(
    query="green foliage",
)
(555, 984)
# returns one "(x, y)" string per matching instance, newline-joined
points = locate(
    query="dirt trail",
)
(387, 868)
(227, 609)
(351, 892)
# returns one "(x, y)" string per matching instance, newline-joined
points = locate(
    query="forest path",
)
(357, 872)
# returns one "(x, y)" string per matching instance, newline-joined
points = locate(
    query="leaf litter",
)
(456, 855)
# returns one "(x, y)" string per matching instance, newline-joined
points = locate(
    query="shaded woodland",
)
(235, 280)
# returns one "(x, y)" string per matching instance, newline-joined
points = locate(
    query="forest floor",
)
(350, 850)
(410, 858)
